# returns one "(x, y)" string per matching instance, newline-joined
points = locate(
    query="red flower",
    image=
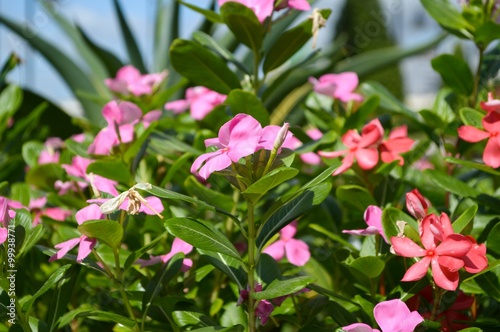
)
(416, 204)
(397, 143)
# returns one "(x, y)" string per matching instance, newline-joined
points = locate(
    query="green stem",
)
(256, 82)
(121, 288)
(477, 79)
(438, 293)
(251, 268)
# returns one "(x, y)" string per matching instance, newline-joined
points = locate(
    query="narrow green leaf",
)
(346, 193)
(442, 107)
(138, 253)
(493, 239)
(228, 265)
(289, 42)
(202, 67)
(168, 194)
(333, 236)
(465, 218)
(128, 38)
(201, 235)
(243, 22)
(209, 14)
(206, 194)
(51, 281)
(111, 169)
(471, 117)
(284, 287)
(107, 316)
(451, 184)
(245, 102)
(271, 180)
(490, 284)
(446, 14)
(455, 73)
(369, 266)
(62, 297)
(166, 29)
(109, 232)
(358, 118)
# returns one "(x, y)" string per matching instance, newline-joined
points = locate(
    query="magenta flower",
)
(362, 147)
(269, 136)
(200, 100)
(373, 218)
(37, 207)
(491, 123)
(391, 316)
(6, 215)
(294, 4)
(261, 8)
(177, 246)
(442, 251)
(296, 251)
(129, 80)
(338, 86)
(397, 143)
(50, 153)
(237, 138)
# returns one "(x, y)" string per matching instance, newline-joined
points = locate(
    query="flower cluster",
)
(130, 81)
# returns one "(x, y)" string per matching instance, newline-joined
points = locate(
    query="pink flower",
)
(50, 154)
(397, 143)
(295, 4)
(261, 8)
(445, 258)
(373, 218)
(177, 246)
(269, 136)
(154, 205)
(199, 100)
(339, 86)
(362, 147)
(491, 123)
(6, 215)
(130, 80)
(492, 105)
(391, 316)
(416, 204)
(296, 251)
(310, 158)
(237, 138)
(37, 207)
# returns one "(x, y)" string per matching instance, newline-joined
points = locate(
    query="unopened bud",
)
(416, 204)
(280, 138)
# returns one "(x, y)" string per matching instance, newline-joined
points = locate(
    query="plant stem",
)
(477, 79)
(438, 293)
(251, 268)
(121, 288)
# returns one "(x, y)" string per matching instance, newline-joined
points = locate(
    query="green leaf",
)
(490, 284)
(109, 232)
(169, 194)
(111, 169)
(243, 22)
(31, 152)
(10, 100)
(107, 316)
(455, 73)
(62, 298)
(235, 328)
(206, 194)
(201, 235)
(358, 118)
(202, 67)
(283, 287)
(333, 236)
(471, 117)
(346, 193)
(51, 281)
(390, 216)
(451, 184)
(289, 42)
(44, 176)
(245, 102)
(369, 266)
(494, 239)
(228, 265)
(267, 269)
(166, 29)
(446, 14)
(442, 107)
(269, 181)
(465, 218)
(209, 14)
(134, 54)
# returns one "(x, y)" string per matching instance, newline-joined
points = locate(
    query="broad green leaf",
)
(188, 317)
(32, 237)
(290, 211)
(289, 42)
(355, 196)
(233, 314)
(201, 235)
(246, 102)
(51, 281)
(44, 176)
(111, 169)
(209, 14)
(268, 269)
(76, 148)
(358, 118)
(235, 328)
(109, 232)
(471, 117)
(323, 176)
(206, 194)
(107, 316)
(283, 287)
(69, 70)
(202, 67)
(494, 239)
(10, 100)
(134, 54)
(169, 194)
(465, 218)
(431, 119)
(62, 297)
(490, 284)
(451, 184)
(164, 144)
(455, 73)
(20, 192)
(31, 152)
(390, 216)
(446, 14)
(163, 276)
(228, 265)
(442, 107)
(387, 100)
(243, 22)
(269, 181)
(369, 266)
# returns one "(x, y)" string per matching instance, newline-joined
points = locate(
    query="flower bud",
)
(280, 138)
(416, 204)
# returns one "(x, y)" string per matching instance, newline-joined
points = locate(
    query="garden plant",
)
(252, 181)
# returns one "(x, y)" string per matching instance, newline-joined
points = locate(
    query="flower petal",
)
(405, 247)
(394, 315)
(491, 154)
(472, 134)
(358, 327)
(86, 246)
(454, 245)
(276, 250)
(418, 270)
(367, 158)
(297, 252)
(91, 212)
(443, 277)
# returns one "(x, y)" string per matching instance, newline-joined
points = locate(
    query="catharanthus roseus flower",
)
(6, 215)
(50, 153)
(492, 105)
(265, 8)
(416, 204)
(129, 80)
(296, 251)
(177, 246)
(237, 138)
(275, 137)
(391, 316)
(397, 143)
(362, 147)
(37, 207)
(373, 218)
(294, 4)
(310, 158)
(443, 251)
(491, 124)
(338, 86)
(199, 100)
